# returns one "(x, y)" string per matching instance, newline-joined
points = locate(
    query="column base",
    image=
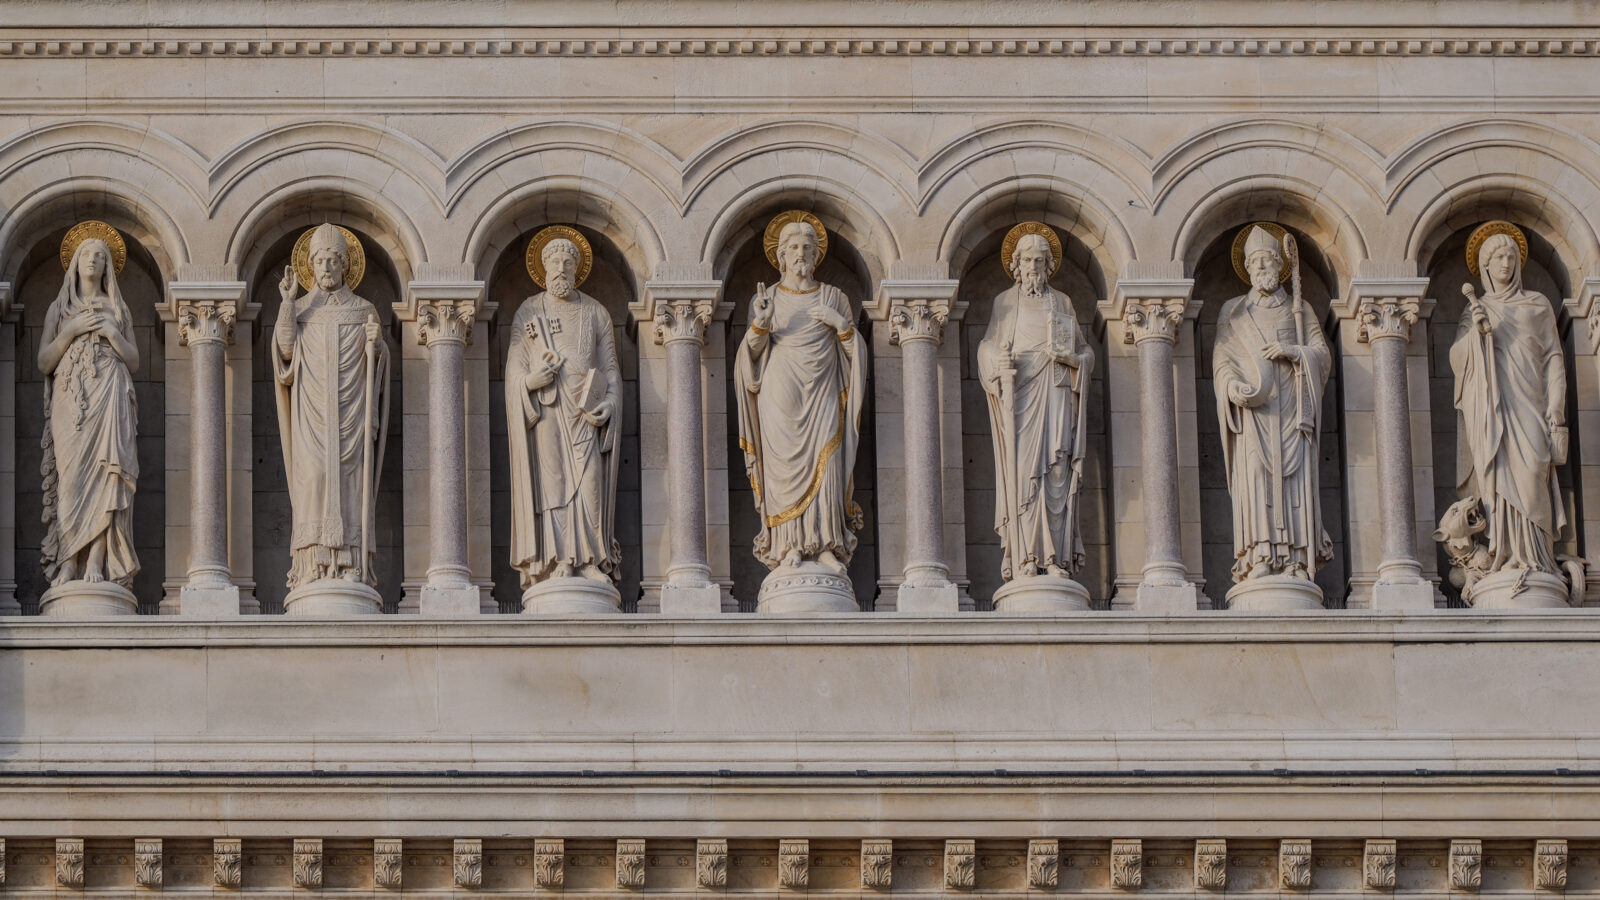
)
(810, 588)
(450, 600)
(1041, 594)
(1274, 593)
(1402, 595)
(209, 601)
(1152, 597)
(926, 600)
(333, 597)
(88, 598)
(574, 596)
(691, 600)
(1520, 589)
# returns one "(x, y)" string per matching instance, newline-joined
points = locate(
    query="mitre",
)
(1261, 239)
(327, 237)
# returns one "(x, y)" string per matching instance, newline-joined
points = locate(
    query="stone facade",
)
(1156, 742)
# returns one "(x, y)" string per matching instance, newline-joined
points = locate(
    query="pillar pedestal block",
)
(446, 600)
(1394, 595)
(1183, 597)
(682, 600)
(209, 601)
(921, 600)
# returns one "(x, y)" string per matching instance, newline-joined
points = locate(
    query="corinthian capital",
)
(1387, 317)
(446, 320)
(1152, 320)
(918, 320)
(206, 321)
(683, 319)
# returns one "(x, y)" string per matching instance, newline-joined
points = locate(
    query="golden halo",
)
(1008, 247)
(769, 240)
(1277, 231)
(83, 231)
(1488, 230)
(301, 259)
(535, 256)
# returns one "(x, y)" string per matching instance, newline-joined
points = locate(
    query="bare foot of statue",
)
(1057, 571)
(827, 558)
(68, 572)
(94, 569)
(593, 573)
(791, 559)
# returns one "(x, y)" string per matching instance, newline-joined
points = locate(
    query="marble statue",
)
(563, 403)
(1511, 393)
(1034, 364)
(331, 367)
(800, 378)
(1271, 364)
(90, 462)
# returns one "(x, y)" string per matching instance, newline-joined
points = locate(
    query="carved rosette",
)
(446, 320)
(960, 865)
(308, 862)
(683, 320)
(794, 863)
(1550, 865)
(1387, 317)
(1294, 865)
(1466, 865)
(1127, 864)
(69, 862)
(1044, 864)
(147, 862)
(206, 321)
(386, 863)
(1152, 320)
(469, 863)
(711, 863)
(1210, 865)
(1378, 865)
(549, 858)
(918, 320)
(227, 862)
(630, 863)
(877, 864)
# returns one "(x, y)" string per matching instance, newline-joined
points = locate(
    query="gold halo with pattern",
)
(535, 255)
(769, 239)
(1488, 230)
(301, 259)
(1277, 231)
(84, 231)
(1008, 247)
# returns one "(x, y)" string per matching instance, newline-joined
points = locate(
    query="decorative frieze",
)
(69, 862)
(1550, 865)
(549, 862)
(469, 863)
(308, 862)
(1210, 865)
(630, 863)
(794, 863)
(877, 864)
(1378, 865)
(387, 856)
(147, 862)
(1466, 865)
(960, 865)
(1294, 865)
(711, 863)
(1044, 863)
(227, 862)
(1127, 864)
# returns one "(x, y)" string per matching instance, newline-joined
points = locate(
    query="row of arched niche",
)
(614, 284)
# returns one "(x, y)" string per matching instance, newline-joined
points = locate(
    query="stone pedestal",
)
(1041, 594)
(574, 596)
(1274, 593)
(212, 601)
(807, 589)
(85, 598)
(333, 597)
(1520, 589)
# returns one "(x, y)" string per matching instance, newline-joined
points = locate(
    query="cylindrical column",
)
(208, 486)
(686, 453)
(1158, 432)
(444, 326)
(925, 565)
(1392, 416)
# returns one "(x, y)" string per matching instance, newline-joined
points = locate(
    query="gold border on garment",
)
(534, 259)
(1488, 230)
(828, 450)
(769, 238)
(1240, 239)
(1008, 247)
(301, 259)
(94, 228)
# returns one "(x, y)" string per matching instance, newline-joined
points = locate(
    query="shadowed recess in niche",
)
(271, 516)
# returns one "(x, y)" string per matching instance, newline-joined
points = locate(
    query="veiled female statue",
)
(563, 403)
(90, 463)
(1511, 392)
(1034, 364)
(800, 377)
(1271, 364)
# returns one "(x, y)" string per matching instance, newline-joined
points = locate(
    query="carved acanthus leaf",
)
(206, 321)
(1211, 865)
(683, 320)
(549, 857)
(69, 862)
(794, 863)
(468, 859)
(711, 863)
(1127, 864)
(960, 865)
(1387, 317)
(227, 860)
(386, 862)
(1550, 865)
(1294, 865)
(308, 862)
(1146, 320)
(1466, 865)
(1378, 865)
(918, 320)
(147, 862)
(446, 320)
(630, 863)
(877, 864)
(1044, 864)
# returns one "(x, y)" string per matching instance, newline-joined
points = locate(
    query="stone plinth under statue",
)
(1274, 593)
(332, 597)
(1041, 594)
(88, 598)
(574, 595)
(808, 588)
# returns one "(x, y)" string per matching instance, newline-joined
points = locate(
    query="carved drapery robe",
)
(563, 470)
(1505, 447)
(799, 396)
(1036, 429)
(90, 462)
(1270, 443)
(321, 394)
